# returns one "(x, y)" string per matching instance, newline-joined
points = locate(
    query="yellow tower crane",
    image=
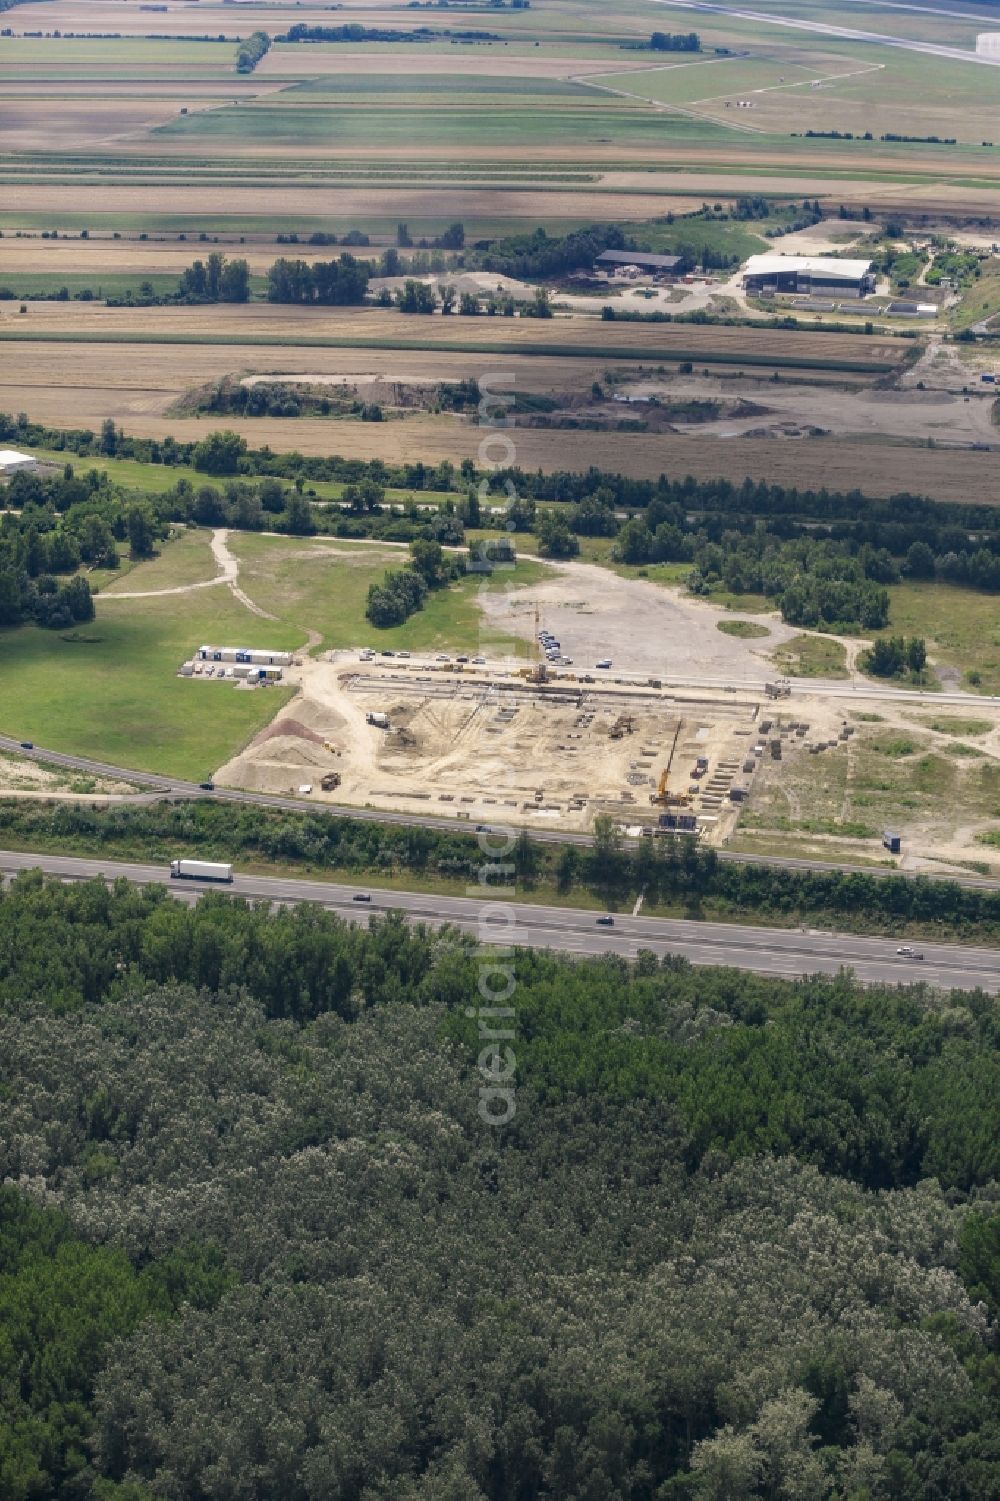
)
(662, 794)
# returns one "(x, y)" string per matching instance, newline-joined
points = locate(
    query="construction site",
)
(528, 745)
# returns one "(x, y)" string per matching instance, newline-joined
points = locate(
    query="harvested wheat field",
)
(141, 383)
(387, 329)
(107, 257)
(25, 203)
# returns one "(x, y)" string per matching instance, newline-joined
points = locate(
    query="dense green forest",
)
(739, 1238)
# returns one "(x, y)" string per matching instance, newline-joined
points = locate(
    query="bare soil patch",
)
(337, 203)
(43, 125)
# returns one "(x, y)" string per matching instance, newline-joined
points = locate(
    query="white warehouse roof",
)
(811, 265)
(11, 459)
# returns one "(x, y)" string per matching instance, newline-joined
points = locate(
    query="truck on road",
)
(199, 870)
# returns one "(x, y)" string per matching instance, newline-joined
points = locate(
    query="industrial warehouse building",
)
(807, 274)
(653, 265)
(13, 462)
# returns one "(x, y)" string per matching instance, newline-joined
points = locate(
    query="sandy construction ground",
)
(643, 627)
(943, 414)
(479, 752)
(22, 777)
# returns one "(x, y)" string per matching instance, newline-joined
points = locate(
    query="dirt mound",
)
(286, 728)
(293, 751)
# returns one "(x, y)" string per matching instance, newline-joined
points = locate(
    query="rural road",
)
(176, 787)
(766, 951)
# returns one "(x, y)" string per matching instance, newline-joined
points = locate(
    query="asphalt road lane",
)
(769, 951)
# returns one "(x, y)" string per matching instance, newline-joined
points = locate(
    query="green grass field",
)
(961, 627)
(154, 479)
(677, 79)
(728, 236)
(604, 121)
(809, 656)
(322, 584)
(185, 559)
(109, 690)
(433, 88)
(102, 284)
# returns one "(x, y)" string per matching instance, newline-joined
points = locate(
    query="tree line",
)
(353, 31)
(403, 590)
(904, 536)
(893, 523)
(673, 41)
(674, 872)
(338, 283)
(38, 549)
(250, 51)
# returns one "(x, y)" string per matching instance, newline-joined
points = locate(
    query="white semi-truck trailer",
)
(199, 870)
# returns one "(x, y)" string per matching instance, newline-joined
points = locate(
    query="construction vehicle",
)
(331, 781)
(539, 673)
(623, 725)
(663, 795)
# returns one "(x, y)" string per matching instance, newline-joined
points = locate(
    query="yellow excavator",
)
(663, 795)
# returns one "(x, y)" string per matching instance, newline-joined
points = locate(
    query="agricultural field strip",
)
(692, 351)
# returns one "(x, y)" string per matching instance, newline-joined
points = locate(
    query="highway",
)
(177, 788)
(783, 952)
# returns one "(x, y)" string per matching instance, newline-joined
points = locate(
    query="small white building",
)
(253, 656)
(14, 462)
